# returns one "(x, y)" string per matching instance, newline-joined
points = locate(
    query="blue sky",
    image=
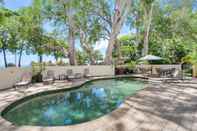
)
(27, 59)
(15, 4)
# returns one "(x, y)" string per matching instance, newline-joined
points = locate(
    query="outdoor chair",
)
(25, 80)
(62, 77)
(49, 78)
(86, 73)
(166, 73)
(176, 76)
(145, 71)
(159, 72)
(78, 75)
(70, 74)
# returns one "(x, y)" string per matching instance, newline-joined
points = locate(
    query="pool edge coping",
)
(7, 107)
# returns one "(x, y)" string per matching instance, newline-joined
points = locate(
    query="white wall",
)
(95, 70)
(9, 76)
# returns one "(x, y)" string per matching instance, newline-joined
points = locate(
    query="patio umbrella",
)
(150, 58)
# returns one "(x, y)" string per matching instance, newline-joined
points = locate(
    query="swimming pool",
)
(91, 101)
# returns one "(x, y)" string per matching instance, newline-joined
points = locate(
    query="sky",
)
(15, 4)
(27, 59)
(11, 58)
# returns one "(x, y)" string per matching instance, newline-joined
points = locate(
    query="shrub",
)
(37, 69)
(11, 65)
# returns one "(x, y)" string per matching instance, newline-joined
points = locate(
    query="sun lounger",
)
(171, 75)
(78, 76)
(86, 73)
(166, 73)
(70, 74)
(145, 71)
(25, 80)
(49, 78)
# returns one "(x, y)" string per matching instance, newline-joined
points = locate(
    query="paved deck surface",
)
(159, 107)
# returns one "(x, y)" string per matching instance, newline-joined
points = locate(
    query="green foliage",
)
(191, 58)
(60, 63)
(11, 65)
(82, 58)
(128, 48)
(24, 32)
(131, 65)
(173, 30)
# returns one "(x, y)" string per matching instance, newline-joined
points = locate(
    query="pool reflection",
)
(89, 102)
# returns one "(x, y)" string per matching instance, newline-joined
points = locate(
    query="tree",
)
(82, 57)
(21, 26)
(68, 13)
(148, 11)
(4, 44)
(5, 15)
(36, 31)
(128, 47)
(81, 24)
(120, 14)
(170, 32)
(55, 46)
(63, 13)
(89, 29)
(173, 32)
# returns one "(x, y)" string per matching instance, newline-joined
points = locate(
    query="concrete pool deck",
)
(159, 107)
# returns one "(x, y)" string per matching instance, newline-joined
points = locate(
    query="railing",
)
(154, 67)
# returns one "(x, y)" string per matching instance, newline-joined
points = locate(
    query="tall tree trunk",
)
(108, 57)
(40, 59)
(56, 58)
(118, 46)
(147, 30)
(90, 52)
(20, 57)
(4, 56)
(121, 11)
(71, 48)
(87, 48)
(92, 60)
(15, 57)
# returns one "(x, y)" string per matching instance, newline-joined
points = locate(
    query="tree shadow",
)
(159, 105)
(174, 104)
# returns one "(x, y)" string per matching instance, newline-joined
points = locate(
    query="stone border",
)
(99, 122)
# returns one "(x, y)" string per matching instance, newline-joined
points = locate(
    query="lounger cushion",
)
(71, 77)
(48, 79)
(87, 75)
(22, 83)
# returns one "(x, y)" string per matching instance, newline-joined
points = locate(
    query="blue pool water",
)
(86, 103)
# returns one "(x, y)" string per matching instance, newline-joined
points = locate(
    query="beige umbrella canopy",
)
(150, 58)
